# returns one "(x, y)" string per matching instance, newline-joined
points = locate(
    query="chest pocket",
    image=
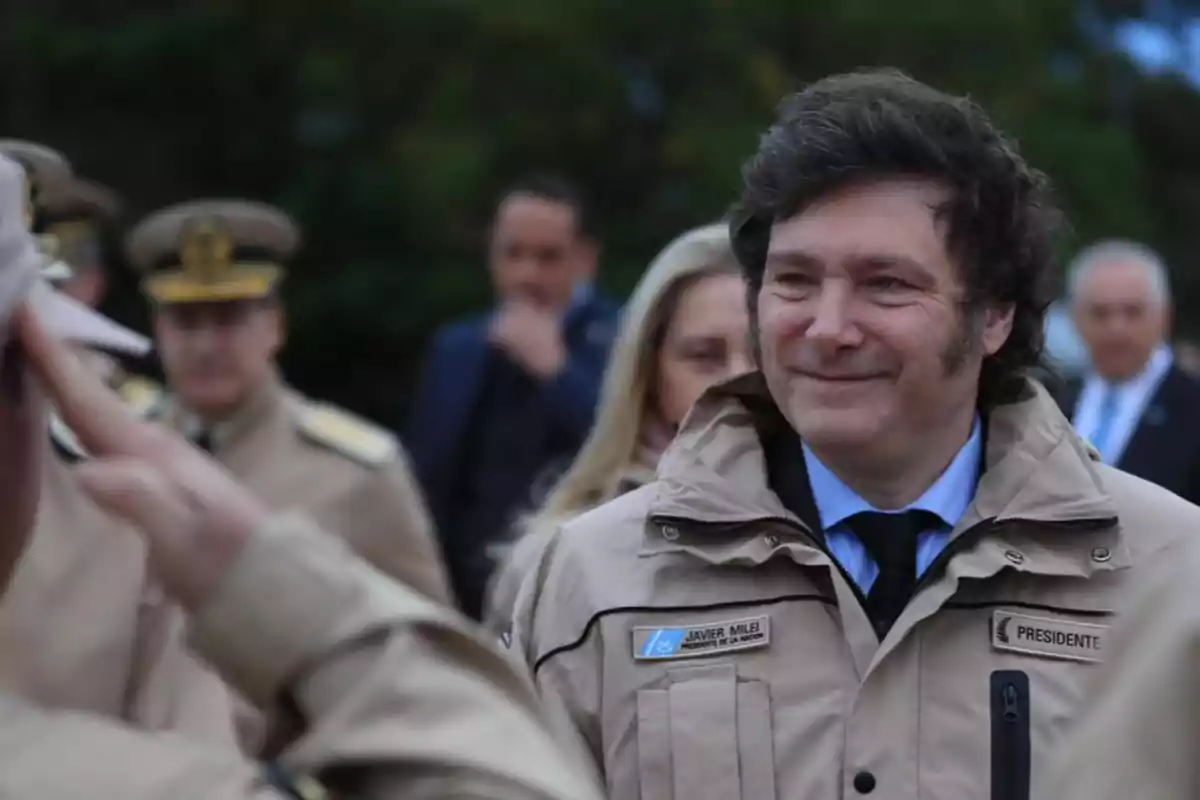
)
(705, 734)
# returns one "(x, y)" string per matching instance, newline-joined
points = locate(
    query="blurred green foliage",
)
(388, 127)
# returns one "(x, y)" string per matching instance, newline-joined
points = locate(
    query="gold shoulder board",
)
(142, 395)
(64, 438)
(352, 436)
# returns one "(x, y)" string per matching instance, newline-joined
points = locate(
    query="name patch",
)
(1052, 638)
(661, 644)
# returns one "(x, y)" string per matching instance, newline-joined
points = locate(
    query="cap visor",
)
(68, 319)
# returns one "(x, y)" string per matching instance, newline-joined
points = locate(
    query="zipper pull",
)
(1010, 695)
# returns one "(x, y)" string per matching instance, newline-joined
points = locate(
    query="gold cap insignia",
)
(206, 252)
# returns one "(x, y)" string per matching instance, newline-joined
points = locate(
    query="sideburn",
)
(966, 341)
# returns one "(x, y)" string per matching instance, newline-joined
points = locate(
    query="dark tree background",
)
(388, 126)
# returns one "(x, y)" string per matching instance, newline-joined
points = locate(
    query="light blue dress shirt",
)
(948, 498)
(1108, 413)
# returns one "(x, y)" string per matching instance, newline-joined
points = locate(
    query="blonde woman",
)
(684, 329)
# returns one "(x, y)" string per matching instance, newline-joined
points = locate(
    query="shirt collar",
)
(948, 497)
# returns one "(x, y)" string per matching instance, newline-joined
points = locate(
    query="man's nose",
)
(833, 327)
(204, 336)
(525, 269)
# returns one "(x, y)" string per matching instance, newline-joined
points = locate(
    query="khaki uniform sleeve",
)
(1140, 729)
(401, 698)
(404, 698)
(169, 688)
(385, 520)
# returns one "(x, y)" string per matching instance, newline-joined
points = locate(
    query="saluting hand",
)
(195, 517)
(530, 336)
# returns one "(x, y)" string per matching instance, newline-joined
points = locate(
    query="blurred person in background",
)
(67, 217)
(883, 563)
(684, 329)
(212, 270)
(83, 623)
(509, 396)
(75, 215)
(74, 218)
(397, 697)
(1135, 404)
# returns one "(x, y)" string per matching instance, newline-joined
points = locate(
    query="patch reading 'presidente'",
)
(691, 641)
(1052, 638)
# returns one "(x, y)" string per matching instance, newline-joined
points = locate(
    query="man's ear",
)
(997, 327)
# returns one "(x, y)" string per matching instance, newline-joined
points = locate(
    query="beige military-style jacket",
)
(403, 698)
(707, 647)
(1140, 727)
(84, 626)
(353, 476)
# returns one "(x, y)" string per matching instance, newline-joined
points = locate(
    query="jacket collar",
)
(1035, 468)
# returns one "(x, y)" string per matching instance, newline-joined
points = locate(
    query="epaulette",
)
(65, 441)
(352, 436)
(142, 395)
(297, 787)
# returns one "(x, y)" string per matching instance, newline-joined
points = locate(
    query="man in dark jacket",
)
(1135, 404)
(509, 395)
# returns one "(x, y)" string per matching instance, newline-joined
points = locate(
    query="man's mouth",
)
(834, 377)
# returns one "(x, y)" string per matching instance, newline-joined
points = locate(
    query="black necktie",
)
(204, 441)
(891, 539)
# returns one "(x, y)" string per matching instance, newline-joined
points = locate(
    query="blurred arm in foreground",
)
(399, 696)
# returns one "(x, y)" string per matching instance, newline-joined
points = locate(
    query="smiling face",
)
(707, 341)
(1122, 317)
(866, 344)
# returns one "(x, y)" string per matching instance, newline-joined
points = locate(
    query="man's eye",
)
(888, 283)
(795, 279)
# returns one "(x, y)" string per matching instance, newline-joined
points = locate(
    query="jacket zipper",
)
(1010, 735)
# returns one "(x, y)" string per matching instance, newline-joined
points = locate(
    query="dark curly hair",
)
(1002, 225)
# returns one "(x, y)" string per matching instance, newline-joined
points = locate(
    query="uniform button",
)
(772, 540)
(1101, 554)
(864, 782)
(1014, 557)
(670, 532)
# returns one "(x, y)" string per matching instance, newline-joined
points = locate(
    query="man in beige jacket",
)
(83, 625)
(884, 564)
(398, 698)
(212, 271)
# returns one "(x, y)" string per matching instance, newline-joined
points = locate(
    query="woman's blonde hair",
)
(629, 381)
